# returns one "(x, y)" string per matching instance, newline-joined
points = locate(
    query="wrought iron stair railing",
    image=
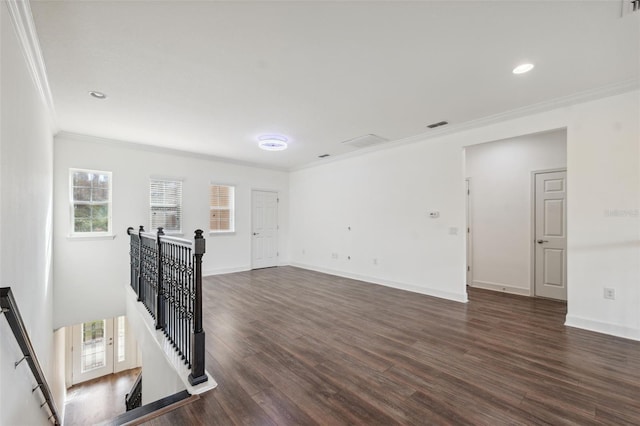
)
(166, 274)
(12, 313)
(134, 398)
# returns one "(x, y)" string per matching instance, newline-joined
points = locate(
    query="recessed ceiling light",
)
(97, 95)
(272, 143)
(522, 68)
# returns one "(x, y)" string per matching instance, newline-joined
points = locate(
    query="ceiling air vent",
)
(365, 141)
(630, 6)
(438, 124)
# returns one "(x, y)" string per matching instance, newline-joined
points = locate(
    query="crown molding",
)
(78, 137)
(549, 105)
(22, 18)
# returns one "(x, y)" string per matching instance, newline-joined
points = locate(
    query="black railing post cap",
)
(199, 233)
(160, 230)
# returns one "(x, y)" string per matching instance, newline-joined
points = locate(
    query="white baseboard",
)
(504, 288)
(603, 327)
(457, 297)
(221, 271)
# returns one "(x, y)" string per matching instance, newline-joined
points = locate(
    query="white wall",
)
(26, 163)
(90, 275)
(501, 206)
(159, 377)
(384, 195)
(603, 202)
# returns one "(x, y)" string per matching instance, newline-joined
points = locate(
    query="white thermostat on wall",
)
(434, 214)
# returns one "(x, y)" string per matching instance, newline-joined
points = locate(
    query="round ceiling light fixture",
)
(97, 95)
(522, 68)
(272, 142)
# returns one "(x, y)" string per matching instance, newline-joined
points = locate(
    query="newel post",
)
(197, 367)
(160, 314)
(139, 272)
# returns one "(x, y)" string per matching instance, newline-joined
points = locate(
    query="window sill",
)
(221, 233)
(90, 237)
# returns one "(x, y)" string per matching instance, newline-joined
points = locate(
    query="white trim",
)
(549, 105)
(468, 232)
(93, 237)
(22, 18)
(603, 327)
(456, 297)
(222, 271)
(504, 288)
(164, 150)
(97, 235)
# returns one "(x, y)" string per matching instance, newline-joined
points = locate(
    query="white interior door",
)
(551, 235)
(101, 347)
(264, 232)
(92, 350)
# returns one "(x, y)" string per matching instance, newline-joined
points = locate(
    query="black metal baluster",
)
(160, 318)
(140, 279)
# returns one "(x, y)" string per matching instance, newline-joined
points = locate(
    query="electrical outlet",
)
(334, 255)
(609, 293)
(375, 261)
(303, 251)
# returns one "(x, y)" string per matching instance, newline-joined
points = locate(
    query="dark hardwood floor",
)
(97, 400)
(295, 347)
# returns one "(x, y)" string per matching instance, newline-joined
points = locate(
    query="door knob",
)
(542, 241)
(256, 233)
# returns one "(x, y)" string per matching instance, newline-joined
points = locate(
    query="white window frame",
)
(179, 205)
(231, 208)
(72, 202)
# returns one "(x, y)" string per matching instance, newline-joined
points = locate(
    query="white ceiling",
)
(210, 77)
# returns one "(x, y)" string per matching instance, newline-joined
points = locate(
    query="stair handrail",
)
(134, 398)
(12, 313)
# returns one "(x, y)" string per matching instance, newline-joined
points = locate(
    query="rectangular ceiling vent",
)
(630, 6)
(438, 124)
(365, 141)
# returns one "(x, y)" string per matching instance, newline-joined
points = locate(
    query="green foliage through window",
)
(91, 200)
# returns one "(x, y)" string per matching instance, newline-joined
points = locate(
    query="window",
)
(221, 200)
(122, 334)
(94, 348)
(165, 197)
(90, 194)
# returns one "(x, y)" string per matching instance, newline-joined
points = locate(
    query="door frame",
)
(132, 354)
(532, 278)
(469, 234)
(274, 191)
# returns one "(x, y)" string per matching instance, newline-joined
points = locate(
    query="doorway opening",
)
(100, 347)
(501, 209)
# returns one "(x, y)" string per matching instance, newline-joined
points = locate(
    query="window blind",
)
(221, 202)
(165, 199)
